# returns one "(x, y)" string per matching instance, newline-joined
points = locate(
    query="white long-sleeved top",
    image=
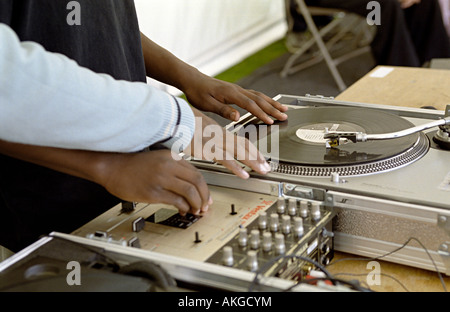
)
(47, 99)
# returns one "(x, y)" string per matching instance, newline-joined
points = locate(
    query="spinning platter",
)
(303, 150)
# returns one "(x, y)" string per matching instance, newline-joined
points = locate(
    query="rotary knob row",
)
(302, 211)
(252, 255)
(265, 242)
(288, 224)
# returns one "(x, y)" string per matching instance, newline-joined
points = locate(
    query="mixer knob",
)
(267, 241)
(262, 220)
(303, 209)
(315, 211)
(292, 207)
(298, 227)
(227, 256)
(252, 260)
(243, 238)
(274, 222)
(281, 205)
(254, 239)
(286, 224)
(280, 247)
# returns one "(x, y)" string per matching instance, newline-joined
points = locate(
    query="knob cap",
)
(252, 260)
(227, 256)
(280, 247)
(298, 227)
(281, 205)
(267, 241)
(243, 237)
(286, 224)
(262, 220)
(315, 211)
(303, 209)
(274, 222)
(254, 239)
(292, 207)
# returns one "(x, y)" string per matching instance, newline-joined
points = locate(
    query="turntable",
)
(388, 178)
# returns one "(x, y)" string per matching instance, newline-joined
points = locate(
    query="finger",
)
(277, 105)
(192, 176)
(235, 168)
(245, 152)
(173, 199)
(223, 109)
(248, 154)
(256, 104)
(246, 102)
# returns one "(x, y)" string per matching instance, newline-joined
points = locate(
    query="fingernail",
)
(210, 201)
(265, 167)
(282, 117)
(206, 208)
(233, 116)
(245, 174)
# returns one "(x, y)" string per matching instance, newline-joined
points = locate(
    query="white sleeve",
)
(47, 99)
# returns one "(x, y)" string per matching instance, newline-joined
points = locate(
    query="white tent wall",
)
(212, 35)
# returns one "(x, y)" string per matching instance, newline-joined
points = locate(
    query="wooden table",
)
(399, 86)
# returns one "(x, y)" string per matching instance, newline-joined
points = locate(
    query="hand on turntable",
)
(213, 143)
(213, 95)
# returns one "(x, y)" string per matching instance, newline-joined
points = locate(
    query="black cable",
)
(143, 269)
(382, 274)
(394, 251)
(268, 264)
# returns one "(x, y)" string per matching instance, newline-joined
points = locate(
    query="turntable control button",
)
(286, 224)
(274, 222)
(227, 256)
(298, 227)
(292, 207)
(262, 220)
(281, 205)
(335, 177)
(303, 209)
(267, 241)
(315, 211)
(280, 246)
(255, 241)
(252, 260)
(243, 237)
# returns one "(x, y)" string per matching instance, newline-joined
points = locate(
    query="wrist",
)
(188, 78)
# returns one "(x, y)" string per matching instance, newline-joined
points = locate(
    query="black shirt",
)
(35, 200)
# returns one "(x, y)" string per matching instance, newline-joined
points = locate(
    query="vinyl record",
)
(299, 139)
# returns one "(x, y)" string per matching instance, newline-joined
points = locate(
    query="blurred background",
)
(249, 43)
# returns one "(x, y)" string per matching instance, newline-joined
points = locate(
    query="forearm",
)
(165, 67)
(83, 164)
(47, 99)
